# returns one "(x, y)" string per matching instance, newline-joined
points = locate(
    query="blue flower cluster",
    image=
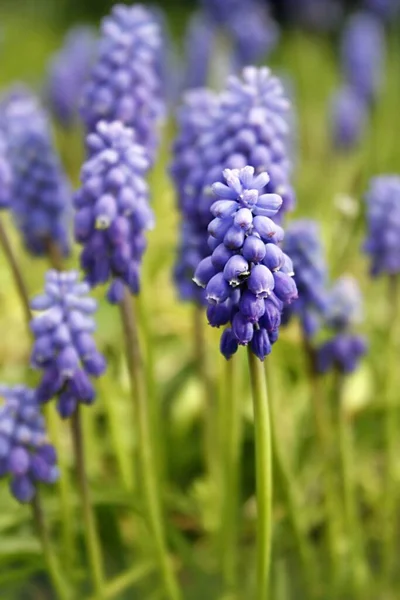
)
(247, 278)
(68, 72)
(5, 175)
(26, 455)
(125, 83)
(238, 18)
(200, 38)
(303, 244)
(383, 220)
(112, 209)
(64, 348)
(384, 9)
(363, 51)
(348, 118)
(345, 349)
(245, 125)
(41, 197)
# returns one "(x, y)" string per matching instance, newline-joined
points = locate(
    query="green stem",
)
(148, 463)
(324, 439)
(53, 567)
(263, 474)
(389, 501)
(92, 541)
(207, 384)
(346, 452)
(230, 447)
(17, 274)
(291, 499)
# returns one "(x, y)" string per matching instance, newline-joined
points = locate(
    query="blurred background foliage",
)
(327, 183)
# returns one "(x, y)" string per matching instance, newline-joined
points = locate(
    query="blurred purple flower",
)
(26, 455)
(348, 118)
(64, 348)
(68, 72)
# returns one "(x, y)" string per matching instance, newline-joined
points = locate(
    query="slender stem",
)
(389, 501)
(16, 272)
(323, 432)
(148, 463)
(290, 494)
(53, 567)
(230, 447)
(346, 452)
(92, 541)
(54, 254)
(206, 381)
(263, 474)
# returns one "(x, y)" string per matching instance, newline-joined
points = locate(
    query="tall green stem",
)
(346, 452)
(16, 272)
(230, 450)
(263, 475)
(389, 501)
(92, 541)
(53, 567)
(324, 439)
(208, 389)
(290, 493)
(148, 464)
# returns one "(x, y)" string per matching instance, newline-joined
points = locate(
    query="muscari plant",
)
(232, 172)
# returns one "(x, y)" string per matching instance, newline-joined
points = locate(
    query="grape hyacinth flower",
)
(247, 278)
(384, 9)
(68, 72)
(5, 175)
(245, 125)
(26, 455)
(125, 84)
(112, 209)
(200, 39)
(346, 348)
(348, 118)
(64, 348)
(303, 244)
(363, 51)
(41, 197)
(383, 222)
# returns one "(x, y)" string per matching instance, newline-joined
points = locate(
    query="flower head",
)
(5, 175)
(345, 348)
(112, 209)
(348, 118)
(363, 50)
(247, 278)
(26, 455)
(125, 83)
(68, 72)
(64, 348)
(245, 125)
(383, 221)
(41, 197)
(303, 244)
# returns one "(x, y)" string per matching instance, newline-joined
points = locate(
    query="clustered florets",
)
(125, 83)
(383, 219)
(345, 349)
(247, 278)
(302, 243)
(64, 348)
(112, 210)
(25, 453)
(245, 125)
(41, 196)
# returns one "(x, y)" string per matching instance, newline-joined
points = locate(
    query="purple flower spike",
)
(247, 124)
(40, 192)
(112, 209)
(348, 118)
(240, 289)
(125, 83)
(26, 456)
(68, 72)
(64, 349)
(383, 222)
